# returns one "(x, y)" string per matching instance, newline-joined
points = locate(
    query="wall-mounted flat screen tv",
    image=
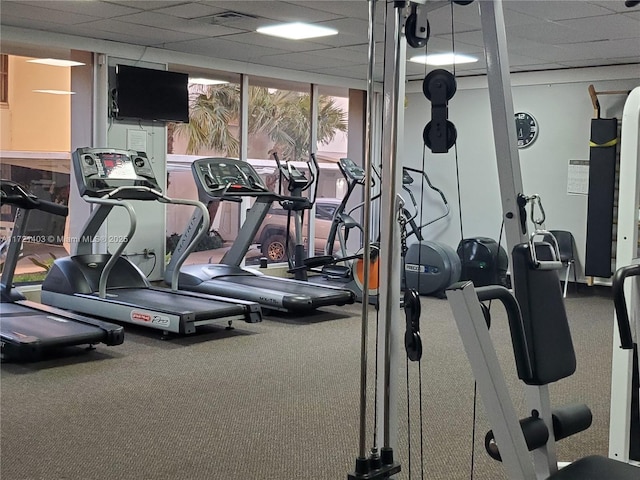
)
(148, 94)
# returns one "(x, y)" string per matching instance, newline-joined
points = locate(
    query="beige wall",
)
(36, 121)
(5, 128)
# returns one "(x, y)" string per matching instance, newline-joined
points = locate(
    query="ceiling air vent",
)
(230, 16)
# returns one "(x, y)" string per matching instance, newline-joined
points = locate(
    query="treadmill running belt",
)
(271, 291)
(166, 300)
(45, 327)
(289, 287)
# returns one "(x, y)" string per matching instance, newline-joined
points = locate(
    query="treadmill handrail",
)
(161, 197)
(110, 202)
(204, 228)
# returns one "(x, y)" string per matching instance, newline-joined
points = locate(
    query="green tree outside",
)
(283, 116)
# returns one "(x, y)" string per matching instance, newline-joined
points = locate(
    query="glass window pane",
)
(279, 121)
(213, 131)
(35, 133)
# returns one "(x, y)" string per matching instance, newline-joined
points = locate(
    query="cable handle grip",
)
(620, 303)
(536, 248)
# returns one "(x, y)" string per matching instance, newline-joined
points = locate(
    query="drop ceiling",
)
(542, 35)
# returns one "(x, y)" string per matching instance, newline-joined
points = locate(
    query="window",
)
(325, 211)
(278, 120)
(4, 78)
(40, 163)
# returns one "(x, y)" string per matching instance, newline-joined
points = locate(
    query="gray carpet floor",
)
(273, 400)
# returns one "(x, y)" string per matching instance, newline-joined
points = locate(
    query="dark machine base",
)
(375, 467)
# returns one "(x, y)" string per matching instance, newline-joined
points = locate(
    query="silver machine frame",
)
(626, 254)
(518, 462)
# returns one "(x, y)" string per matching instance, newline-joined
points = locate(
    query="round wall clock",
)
(526, 129)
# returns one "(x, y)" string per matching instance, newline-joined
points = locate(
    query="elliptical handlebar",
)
(426, 178)
(298, 181)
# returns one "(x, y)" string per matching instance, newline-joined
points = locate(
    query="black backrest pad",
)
(545, 322)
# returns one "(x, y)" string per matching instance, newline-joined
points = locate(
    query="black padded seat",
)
(596, 467)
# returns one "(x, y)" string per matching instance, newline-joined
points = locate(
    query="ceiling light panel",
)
(440, 59)
(55, 92)
(297, 31)
(206, 81)
(55, 62)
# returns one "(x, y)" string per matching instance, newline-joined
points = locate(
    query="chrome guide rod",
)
(367, 229)
(389, 294)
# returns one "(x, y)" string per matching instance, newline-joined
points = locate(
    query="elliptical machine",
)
(297, 184)
(345, 270)
(430, 267)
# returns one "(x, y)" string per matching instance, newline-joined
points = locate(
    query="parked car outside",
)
(272, 236)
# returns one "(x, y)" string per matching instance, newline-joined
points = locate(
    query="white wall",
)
(563, 110)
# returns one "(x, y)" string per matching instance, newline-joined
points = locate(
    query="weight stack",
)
(602, 177)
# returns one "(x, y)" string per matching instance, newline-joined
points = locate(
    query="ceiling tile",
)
(252, 38)
(614, 6)
(218, 47)
(312, 59)
(190, 10)
(556, 9)
(129, 36)
(93, 9)
(603, 50)
(353, 56)
(541, 34)
(609, 27)
(148, 4)
(156, 36)
(350, 32)
(24, 22)
(282, 11)
(346, 8)
(547, 32)
(195, 27)
(18, 9)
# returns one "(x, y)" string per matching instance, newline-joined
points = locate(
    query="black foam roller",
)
(571, 419)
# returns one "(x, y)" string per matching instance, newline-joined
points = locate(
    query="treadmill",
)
(111, 286)
(220, 179)
(29, 329)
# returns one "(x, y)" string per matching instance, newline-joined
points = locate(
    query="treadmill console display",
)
(351, 170)
(99, 171)
(115, 165)
(226, 176)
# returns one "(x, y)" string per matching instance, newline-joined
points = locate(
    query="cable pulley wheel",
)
(451, 133)
(412, 39)
(413, 345)
(435, 79)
